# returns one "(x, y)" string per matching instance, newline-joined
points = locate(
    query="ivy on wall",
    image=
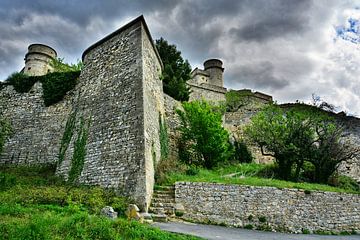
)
(164, 139)
(21, 82)
(78, 158)
(68, 133)
(55, 85)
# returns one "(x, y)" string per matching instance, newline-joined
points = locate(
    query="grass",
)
(248, 174)
(34, 204)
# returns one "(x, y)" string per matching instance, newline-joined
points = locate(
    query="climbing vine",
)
(68, 133)
(164, 139)
(78, 159)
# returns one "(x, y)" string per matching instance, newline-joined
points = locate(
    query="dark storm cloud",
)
(261, 73)
(274, 19)
(268, 45)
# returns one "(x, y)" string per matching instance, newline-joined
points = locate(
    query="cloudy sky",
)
(286, 48)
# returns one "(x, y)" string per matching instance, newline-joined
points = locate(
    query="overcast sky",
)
(286, 48)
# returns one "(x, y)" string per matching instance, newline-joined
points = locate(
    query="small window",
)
(29, 68)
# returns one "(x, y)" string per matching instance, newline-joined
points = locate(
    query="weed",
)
(262, 219)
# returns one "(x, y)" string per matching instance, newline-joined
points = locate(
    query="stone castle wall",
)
(269, 208)
(120, 94)
(206, 91)
(154, 110)
(37, 130)
(172, 123)
(118, 101)
(351, 167)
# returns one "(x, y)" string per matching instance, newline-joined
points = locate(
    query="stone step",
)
(159, 217)
(164, 193)
(162, 210)
(162, 204)
(169, 200)
(161, 195)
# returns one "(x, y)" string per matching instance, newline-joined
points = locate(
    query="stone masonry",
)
(119, 99)
(120, 93)
(37, 130)
(269, 208)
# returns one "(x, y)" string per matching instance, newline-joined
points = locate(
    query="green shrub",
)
(344, 182)
(262, 219)
(203, 139)
(165, 167)
(305, 231)
(57, 84)
(22, 83)
(242, 152)
(6, 181)
(248, 226)
(192, 170)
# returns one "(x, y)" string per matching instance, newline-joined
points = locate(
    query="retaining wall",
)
(269, 208)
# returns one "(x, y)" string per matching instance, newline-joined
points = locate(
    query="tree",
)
(204, 141)
(330, 149)
(176, 71)
(279, 134)
(298, 135)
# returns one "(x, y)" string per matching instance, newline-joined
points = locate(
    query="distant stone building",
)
(208, 83)
(38, 59)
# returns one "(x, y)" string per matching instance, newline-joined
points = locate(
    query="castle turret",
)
(37, 60)
(215, 70)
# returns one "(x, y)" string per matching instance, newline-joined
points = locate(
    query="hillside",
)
(34, 204)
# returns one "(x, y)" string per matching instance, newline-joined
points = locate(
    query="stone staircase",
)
(162, 203)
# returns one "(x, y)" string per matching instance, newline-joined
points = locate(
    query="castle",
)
(119, 106)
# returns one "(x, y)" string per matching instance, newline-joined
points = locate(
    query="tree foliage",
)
(298, 135)
(176, 71)
(204, 142)
(59, 65)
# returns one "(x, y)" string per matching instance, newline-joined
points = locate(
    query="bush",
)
(164, 168)
(242, 152)
(262, 219)
(248, 226)
(204, 142)
(6, 181)
(192, 170)
(344, 182)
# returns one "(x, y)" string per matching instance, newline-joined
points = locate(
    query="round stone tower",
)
(215, 70)
(38, 58)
